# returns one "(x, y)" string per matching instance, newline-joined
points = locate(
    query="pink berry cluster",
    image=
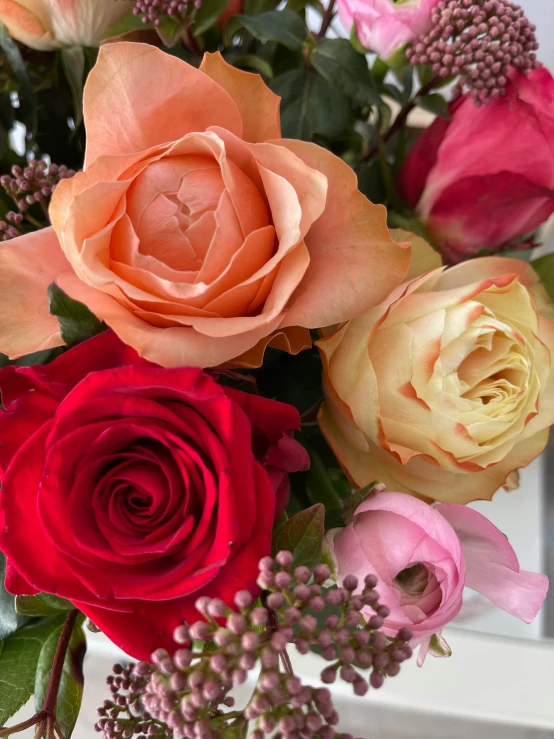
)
(28, 186)
(153, 11)
(478, 41)
(189, 692)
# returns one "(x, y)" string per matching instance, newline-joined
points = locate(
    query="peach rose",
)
(49, 24)
(446, 388)
(194, 231)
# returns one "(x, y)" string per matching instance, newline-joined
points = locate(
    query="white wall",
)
(541, 12)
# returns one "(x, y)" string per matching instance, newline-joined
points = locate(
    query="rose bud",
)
(50, 24)
(484, 178)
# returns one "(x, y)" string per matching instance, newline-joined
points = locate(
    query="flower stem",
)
(328, 16)
(45, 719)
(401, 118)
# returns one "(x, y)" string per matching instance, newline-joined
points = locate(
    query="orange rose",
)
(194, 231)
(447, 388)
(50, 24)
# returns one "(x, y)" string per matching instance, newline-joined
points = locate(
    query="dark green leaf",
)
(71, 684)
(41, 605)
(18, 664)
(310, 105)
(303, 536)
(129, 22)
(251, 61)
(320, 483)
(357, 497)
(170, 30)
(73, 60)
(207, 15)
(257, 7)
(433, 103)
(342, 66)
(10, 621)
(27, 113)
(370, 181)
(544, 266)
(379, 70)
(283, 26)
(77, 323)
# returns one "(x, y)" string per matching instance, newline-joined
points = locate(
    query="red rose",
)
(485, 177)
(130, 489)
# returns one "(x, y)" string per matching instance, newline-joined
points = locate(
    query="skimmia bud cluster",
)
(153, 11)
(28, 186)
(188, 694)
(477, 41)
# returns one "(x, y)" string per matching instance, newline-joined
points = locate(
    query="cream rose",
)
(446, 388)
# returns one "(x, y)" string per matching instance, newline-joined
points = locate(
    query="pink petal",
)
(492, 567)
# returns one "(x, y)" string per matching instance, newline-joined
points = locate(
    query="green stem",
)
(401, 118)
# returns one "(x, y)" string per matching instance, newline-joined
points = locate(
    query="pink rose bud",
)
(425, 555)
(484, 178)
(384, 26)
(50, 24)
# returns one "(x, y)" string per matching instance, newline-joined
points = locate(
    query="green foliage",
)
(433, 103)
(544, 266)
(27, 112)
(70, 693)
(10, 620)
(354, 500)
(126, 24)
(18, 663)
(42, 604)
(73, 60)
(77, 323)
(207, 14)
(341, 65)
(303, 536)
(310, 105)
(283, 26)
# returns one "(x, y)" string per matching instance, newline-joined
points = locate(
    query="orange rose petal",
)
(170, 347)
(354, 263)
(292, 340)
(137, 97)
(28, 265)
(257, 105)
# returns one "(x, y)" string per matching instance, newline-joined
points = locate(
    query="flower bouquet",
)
(263, 339)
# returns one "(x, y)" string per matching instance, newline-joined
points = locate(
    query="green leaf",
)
(434, 104)
(320, 483)
(283, 26)
(127, 23)
(303, 536)
(252, 61)
(357, 497)
(170, 30)
(18, 664)
(27, 112)
(42, 604)
(439, 647)
(70, 693)
(10, 621)
(310, 105)
(379, 70)
(207, 15)
(544, 266)
(73, 61)
(355, 41)
(340, 64)
(77, 323)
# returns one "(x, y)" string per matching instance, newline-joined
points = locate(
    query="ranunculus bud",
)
(484, 178)
(424, 556)
(50, 24)
(384, 26)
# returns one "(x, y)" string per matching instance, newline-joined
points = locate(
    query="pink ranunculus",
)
(423, 557)
(485, 178)
(384, 26)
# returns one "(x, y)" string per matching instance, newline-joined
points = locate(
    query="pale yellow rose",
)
(446, 389)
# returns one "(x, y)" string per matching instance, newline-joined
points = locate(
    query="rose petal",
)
(28, 265)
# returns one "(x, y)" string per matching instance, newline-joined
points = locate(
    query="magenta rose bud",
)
(423, 556)
(484, 178)
(143, 490)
